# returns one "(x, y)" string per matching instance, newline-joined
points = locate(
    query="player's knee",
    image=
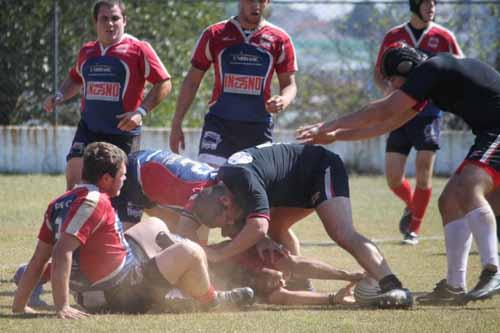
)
(193, 251)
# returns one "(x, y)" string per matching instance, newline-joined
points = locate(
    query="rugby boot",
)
(35, 298)
(410, 238)
(392, 294)
(235, 297)
(443, 294)
(404, 222)
(488, 285)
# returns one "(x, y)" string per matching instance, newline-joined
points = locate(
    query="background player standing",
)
(111, 73)
(423, 131)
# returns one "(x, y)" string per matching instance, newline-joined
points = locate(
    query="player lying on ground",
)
(287, 175)
(267, 273)
(85, 240)
(470, 89)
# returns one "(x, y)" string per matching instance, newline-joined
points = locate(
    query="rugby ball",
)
(366, 291)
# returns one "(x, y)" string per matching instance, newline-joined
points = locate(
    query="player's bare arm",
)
(30, 278)
(254, 230)
(69, 88)
(387, 111)
(61, 270)
(155, 96)
(288, 91)
(187, 94)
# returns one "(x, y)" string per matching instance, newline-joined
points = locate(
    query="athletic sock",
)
(458, 240)
(209, 297)
(404, 192)
(483, 226)
(421, 199)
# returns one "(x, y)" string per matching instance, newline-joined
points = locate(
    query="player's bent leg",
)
(283, 218)
(74, 172)
(336, 216)
(185, 266)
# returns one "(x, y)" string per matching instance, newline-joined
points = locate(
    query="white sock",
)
(458, 240)
(483, 225)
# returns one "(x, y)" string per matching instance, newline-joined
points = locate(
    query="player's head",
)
(110, 20)
(399, 59)
(215, 207)
(423, 9)
(104, 166)
(252, 11)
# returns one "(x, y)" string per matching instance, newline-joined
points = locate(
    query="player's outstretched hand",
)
(345, 295)
(129, 121)
(177, 141)
(314, 134)
(71, 313)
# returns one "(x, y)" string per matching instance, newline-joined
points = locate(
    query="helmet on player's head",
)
(400, 59)
(415, 7)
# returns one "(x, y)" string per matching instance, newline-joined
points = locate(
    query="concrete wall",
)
(44, 149)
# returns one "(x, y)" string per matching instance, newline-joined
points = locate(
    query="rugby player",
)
(287, 175)
(111, 73)
(84, 238)
(467, 88)
(423, 131)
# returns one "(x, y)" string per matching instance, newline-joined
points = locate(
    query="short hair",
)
(207, 205)
(100, 158)
(107, 3)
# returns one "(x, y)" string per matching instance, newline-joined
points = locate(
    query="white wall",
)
(44, 149)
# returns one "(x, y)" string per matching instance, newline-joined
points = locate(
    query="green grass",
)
(23, 200)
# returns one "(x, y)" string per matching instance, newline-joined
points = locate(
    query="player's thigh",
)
(283, 218)
(175, 260)
(336, 216)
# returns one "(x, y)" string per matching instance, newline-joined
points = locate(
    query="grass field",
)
(23, 200)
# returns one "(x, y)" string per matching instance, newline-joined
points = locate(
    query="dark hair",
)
(400, 59)
(207, 205)
(415, 7)
(107, 3)
(100, 158)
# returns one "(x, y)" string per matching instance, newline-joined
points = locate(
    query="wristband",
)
(142, 111)
(58, 96)
(331, 299)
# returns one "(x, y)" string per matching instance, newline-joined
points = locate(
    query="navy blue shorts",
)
(132, 201)
(222, 138)
(84, 137)
(422, 133)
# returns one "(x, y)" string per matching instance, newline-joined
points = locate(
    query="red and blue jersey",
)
(168, 179)
(87, 214)
(113, 80)
(434, 39)
(243, 66)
